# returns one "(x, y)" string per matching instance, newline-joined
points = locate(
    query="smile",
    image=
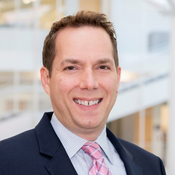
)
(88, 103)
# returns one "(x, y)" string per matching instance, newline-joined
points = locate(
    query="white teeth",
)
(86, 103)
(96, 101)
(90, 103)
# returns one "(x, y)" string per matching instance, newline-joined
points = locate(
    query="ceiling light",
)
(2, 4)
(127, 76)
(26, 1)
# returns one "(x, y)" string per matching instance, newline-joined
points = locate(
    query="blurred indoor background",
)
(144, 112)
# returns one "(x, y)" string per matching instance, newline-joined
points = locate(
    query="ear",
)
(118, 77)
(45, 79)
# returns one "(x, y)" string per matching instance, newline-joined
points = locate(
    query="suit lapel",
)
(60, 164)
(50, 146)
(58, 160)
(131, 167)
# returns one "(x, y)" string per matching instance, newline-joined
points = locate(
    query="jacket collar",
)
(50, 145)
(131, 167)
(59, 162)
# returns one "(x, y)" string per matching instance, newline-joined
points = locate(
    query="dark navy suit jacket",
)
(40, 152)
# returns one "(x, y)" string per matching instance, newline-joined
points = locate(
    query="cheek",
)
(66, 85)
(111, 85)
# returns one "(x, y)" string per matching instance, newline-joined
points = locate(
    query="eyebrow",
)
(70, 60)
(104, 60)
(77, 61)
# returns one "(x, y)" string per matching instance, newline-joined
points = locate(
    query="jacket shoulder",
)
(135, 150)
(18, 143)
(143, 158)
(18, 139)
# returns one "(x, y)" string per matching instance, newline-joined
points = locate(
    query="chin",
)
(90, 125)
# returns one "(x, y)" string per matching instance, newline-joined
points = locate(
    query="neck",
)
(89, 134)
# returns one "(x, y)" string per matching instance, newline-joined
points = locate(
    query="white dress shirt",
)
(80, 160)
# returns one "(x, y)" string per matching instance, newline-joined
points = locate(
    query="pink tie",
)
(98, 166)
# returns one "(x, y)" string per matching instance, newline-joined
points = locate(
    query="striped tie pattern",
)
(98, 166)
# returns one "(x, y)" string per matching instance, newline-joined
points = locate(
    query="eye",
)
(104, 67)
(69, 68)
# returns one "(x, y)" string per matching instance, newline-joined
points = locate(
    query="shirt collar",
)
(72, 143)
(103, 141)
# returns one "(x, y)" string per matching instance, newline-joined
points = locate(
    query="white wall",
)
(134, 20)
(147, 95)
(15, 125)
(21, 49)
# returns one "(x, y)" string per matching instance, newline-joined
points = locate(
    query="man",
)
(81, 75)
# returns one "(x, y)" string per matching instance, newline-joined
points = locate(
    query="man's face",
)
(84, 82)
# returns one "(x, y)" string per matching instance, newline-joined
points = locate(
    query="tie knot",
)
(93, 150)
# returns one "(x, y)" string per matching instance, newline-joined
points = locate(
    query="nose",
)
(88, 80)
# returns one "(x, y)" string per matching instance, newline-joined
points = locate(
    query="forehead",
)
(83, 41)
